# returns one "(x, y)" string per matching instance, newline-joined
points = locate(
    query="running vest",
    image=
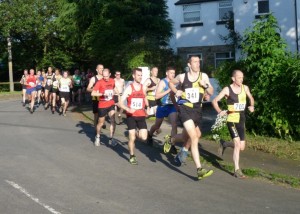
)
(236, 104)
(192, 95)
(108, 87)
(64, 84)
(39, 82)
(31, 81)
(49, 79)
(77, 80)
(55, 82)
(165, 100)
(151, 94)
(136, 100)
(23, 80)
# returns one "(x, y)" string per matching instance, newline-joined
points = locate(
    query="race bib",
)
(109, 94)
(65, 88)
(49, 81)
(77, 82)
(192, 95)
(239, 106)
(31, 84)
(136, 103)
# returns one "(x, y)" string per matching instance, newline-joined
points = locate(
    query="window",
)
(225, 10)
(263, 6)
(223, 57)
(196, 54)
(191, 13)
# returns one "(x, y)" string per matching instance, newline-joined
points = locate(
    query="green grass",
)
(273, 177)
(281, 148)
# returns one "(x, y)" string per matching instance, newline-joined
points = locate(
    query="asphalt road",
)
(49, 165)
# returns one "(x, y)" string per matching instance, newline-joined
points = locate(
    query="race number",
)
(108, 94)
(65, 88)
(49, 81)
(192, 94)
(31, 84)
(239, 106)
(136, 103)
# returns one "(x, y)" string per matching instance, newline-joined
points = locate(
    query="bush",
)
(272, 73)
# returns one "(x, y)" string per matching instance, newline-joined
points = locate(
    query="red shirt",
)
(136, 100)
(31, 82)
(105, 87)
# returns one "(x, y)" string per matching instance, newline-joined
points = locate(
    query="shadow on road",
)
(213, 159)
(155, 156)
(87, 129)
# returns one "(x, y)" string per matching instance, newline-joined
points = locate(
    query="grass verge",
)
(279, 147)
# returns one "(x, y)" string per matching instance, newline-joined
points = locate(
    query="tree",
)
(272, 73)
(112, 30)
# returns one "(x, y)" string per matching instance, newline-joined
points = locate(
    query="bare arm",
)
(123, 99)
(175, 81)
(249, 95)
(204, 82)
(159, 91)
(223, 93)
(91, 84)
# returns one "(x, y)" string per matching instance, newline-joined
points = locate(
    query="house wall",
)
(205, 39)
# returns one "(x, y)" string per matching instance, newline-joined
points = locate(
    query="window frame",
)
(191, 11)
(229, 1)
(268, 1)
(231, 57)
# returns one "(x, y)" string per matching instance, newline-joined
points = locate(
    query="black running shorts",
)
(186, 113)
(136, 122)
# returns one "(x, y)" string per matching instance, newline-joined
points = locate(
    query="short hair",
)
(235, 71)
(170, 68)
(191, 56)
(136, 69)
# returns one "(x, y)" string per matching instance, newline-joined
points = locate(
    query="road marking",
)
(24, 191)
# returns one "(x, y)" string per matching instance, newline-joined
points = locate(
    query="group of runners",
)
(54, 89)
(177, 98)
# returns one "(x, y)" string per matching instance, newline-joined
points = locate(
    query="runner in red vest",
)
(105, 90)
(135, 96)
(30, 88)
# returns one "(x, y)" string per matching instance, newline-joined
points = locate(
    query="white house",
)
(198, 24)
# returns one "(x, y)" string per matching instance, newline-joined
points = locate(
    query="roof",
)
(180, 2)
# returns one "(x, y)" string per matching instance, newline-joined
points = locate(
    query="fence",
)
(4, 86)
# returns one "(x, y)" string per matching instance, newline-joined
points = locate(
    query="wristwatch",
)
(206, 86)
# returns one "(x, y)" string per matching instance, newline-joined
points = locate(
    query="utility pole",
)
(10, 68)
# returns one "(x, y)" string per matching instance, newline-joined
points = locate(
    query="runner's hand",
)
(131, 111)
(178, 93)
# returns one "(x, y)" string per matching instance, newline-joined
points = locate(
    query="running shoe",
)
(104, 126)
(173, 150)
(203, 173)
(133, 160)
(113, 142)
(167, 144)
(46, 106)
(61, 108)
(239, 174)
(221, 147)
(31, 111)
(97, 141)
(64, 114)
(180, 158)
